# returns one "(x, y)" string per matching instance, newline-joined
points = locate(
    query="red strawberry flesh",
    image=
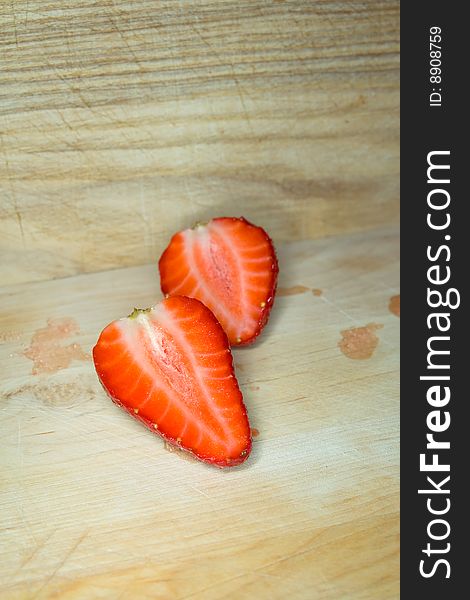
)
(171, 368)
(231, 266)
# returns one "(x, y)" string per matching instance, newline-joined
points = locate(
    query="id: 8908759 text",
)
(435, 64)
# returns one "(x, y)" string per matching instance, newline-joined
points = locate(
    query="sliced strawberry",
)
(170, 366)
(230, 265)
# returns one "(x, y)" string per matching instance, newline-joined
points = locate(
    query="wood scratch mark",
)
(267, 575)
(348, 316)
(110, 433)
(148, 229)
(223, 63)
(193, 487)
(385, 286)
(300, 552)
(12, 6)
(27, 559)
(212, 585)
(242, 100)
(124, 39)
(64, 120)
(18, 437)
(20, 223)
(23, 519)
(344, 313)
(19, 449)
(12, 191)
(365, 377)
(26, 15)
(62, 563)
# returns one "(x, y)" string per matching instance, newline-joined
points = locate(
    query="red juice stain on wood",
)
(46, 350)
(254, 432)
(359, 342)
(317, 292)
(394, 305)
(292, 291)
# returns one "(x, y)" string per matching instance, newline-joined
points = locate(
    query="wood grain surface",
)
(121, 122)
(94, 506)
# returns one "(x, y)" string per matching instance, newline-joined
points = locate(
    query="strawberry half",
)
(170, 366)
(231, 266)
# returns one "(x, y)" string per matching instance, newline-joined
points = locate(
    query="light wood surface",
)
(121, 122)
(94, 506)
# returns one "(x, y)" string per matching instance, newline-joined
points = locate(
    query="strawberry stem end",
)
(137, 311)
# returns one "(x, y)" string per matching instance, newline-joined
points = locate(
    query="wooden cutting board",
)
(120, 123)
(123, 121)
(92, 505)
